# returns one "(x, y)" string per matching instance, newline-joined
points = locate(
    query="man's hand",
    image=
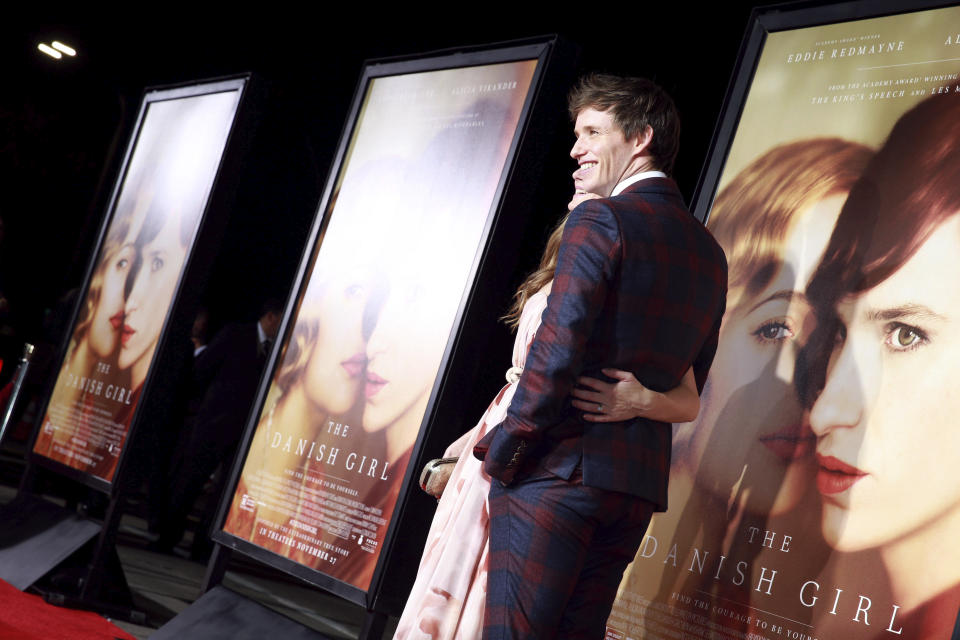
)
(612, 402)
(580, 196)
(628, 398)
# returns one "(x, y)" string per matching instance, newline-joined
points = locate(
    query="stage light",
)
(47, 49)
(59, 46)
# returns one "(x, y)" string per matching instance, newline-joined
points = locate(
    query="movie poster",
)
(168, 178)
(814, 497)
(347, 398)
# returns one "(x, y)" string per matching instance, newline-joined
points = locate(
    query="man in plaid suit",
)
(640, 285)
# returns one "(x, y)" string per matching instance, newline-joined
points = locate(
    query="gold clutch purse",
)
(432, 470)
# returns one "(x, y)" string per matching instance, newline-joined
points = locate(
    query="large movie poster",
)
(168, 178)
(815, 495)
(364, 349)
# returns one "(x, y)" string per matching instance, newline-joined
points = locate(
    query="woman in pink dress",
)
(448, 597)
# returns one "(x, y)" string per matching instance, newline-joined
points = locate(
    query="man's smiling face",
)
(605, 156)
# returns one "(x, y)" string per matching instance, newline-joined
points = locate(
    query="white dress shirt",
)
(637, 177)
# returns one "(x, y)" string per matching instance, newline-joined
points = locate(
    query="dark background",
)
(64, 124)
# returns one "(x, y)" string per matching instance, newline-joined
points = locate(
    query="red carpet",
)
(27, 617)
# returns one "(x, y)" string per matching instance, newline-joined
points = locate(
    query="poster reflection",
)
(121, 318)
(336, 433)
(808, 498)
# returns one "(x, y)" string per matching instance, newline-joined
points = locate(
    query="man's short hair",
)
(271, 305)
(634, 103)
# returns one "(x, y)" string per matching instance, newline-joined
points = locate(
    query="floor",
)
(164, 585)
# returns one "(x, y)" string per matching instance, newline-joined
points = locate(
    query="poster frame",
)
(764, 21)
(540, 49)
(769, 19)
(240, 83)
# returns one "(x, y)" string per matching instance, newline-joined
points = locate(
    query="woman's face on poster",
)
(751, 415)
(886, 420)
(335, 369)
(150, 294)
(403, 353)
(107, 321)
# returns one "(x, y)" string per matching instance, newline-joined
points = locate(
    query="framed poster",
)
(404, 219)
(814, 495)
(145, 244)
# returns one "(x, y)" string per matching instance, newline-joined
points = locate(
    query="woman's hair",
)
(754, 213)
(539, 278)
(910, 188)
(296, 352)
(158, 214)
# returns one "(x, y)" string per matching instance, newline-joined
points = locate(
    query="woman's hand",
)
(580, 196)
(438, 476)
(612, 402)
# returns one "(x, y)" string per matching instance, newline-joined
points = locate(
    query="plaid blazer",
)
(641, 286)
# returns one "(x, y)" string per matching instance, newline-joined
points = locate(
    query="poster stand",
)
(102, 588)
(65, 553)
(379, 583)
(37, 536)
(794, 90)
(69, 558)
(221, 614)
(374, 622)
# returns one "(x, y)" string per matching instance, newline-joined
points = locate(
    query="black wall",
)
(64, 123)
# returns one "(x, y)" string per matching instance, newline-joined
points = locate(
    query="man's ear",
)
(642, 141)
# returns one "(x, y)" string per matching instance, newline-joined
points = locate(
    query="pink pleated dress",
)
(449, 594)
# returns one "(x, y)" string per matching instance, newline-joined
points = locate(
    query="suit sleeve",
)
(586, 265)
(701, 364)
(703, 360)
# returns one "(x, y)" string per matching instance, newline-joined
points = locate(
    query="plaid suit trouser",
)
(558, 550)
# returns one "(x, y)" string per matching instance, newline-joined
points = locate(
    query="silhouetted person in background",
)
(225, 379)
(200, 333)
(185, 404)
